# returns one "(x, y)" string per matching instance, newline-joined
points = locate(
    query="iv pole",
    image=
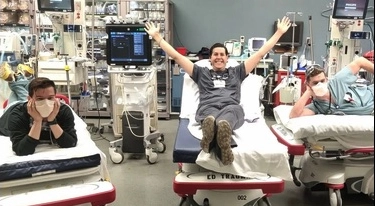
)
(311, 41)
(293, 33)
(289, 77)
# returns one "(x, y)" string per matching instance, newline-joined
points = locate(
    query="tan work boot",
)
(208, 130)
(224, 137)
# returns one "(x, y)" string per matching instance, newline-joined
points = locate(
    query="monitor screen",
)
(287, 37)
(350, 9)
(128, 45)
(256, 43)
(56, 5)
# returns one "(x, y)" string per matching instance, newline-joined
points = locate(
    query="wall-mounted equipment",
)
(349, 9)
(55, 5)
(287, 38)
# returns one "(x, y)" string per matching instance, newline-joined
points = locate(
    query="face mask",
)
(320, 89)
(44, 107)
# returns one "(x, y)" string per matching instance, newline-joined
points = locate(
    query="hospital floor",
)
(141, 184)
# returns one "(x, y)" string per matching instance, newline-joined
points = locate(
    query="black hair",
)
(40, 83)
(313, 71)
(216, 45)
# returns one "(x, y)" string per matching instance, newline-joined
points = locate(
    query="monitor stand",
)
(129, 69)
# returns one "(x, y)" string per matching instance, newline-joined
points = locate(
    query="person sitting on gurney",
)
(340, 95)
(219, 89)
(41, 119)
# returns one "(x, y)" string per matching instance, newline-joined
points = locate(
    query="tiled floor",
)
(141, 184)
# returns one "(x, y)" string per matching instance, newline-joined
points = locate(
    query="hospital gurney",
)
(255, 173)
(51, 176)
(337, 151)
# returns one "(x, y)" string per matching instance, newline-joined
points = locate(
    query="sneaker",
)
(224, 138)
(6, 72)
(208, 130)
(25, 69)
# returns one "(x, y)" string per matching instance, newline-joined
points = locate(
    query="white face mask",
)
(320, 89)
(44, 107)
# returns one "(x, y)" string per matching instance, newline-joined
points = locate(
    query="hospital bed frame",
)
(93, 193)
(197, 186)
(331, 165)
(194, 187)
(75, 187)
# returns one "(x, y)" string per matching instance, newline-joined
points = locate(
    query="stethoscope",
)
(224, 76)
(329, 110)
(318, 106)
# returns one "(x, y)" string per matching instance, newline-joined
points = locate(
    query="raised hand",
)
(55, 111)
(31, 109)
(284, 24)
(151, 29)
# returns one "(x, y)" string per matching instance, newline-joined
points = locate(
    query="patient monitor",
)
(67, 18)
(256, 43)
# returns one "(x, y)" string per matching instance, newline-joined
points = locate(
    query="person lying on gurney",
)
(41, 119)
(340, 95)
(219, 89)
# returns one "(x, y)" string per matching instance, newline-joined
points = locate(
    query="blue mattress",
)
(33, 168)
(186, 146)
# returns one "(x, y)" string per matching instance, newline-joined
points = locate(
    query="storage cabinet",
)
(15, 13)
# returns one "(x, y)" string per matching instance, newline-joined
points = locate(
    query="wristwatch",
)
(52, 122)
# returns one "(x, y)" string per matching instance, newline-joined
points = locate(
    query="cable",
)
(178, 37)
(147, 92)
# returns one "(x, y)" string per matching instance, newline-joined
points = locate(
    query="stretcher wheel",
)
(206, 202)
(263, 201)
(184, 202)
(371, 195)
(152, 158)
(260, 203)
(161, 147)
(116, 157)
(335, 197)
(161, 138)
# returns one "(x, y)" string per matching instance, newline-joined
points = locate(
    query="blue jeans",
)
(19, 90)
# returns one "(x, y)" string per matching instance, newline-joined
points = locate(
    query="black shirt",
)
(16, 123)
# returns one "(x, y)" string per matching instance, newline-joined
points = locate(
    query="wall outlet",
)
(308, 41)
(242, 39)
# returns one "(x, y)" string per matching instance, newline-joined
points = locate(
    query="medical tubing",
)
(22, 41)
(125, 110)
(127, 114)
(127, 120)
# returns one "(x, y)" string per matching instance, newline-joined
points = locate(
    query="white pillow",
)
(250, 91)
(352, 126)
(281, 114)
(325, 126)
